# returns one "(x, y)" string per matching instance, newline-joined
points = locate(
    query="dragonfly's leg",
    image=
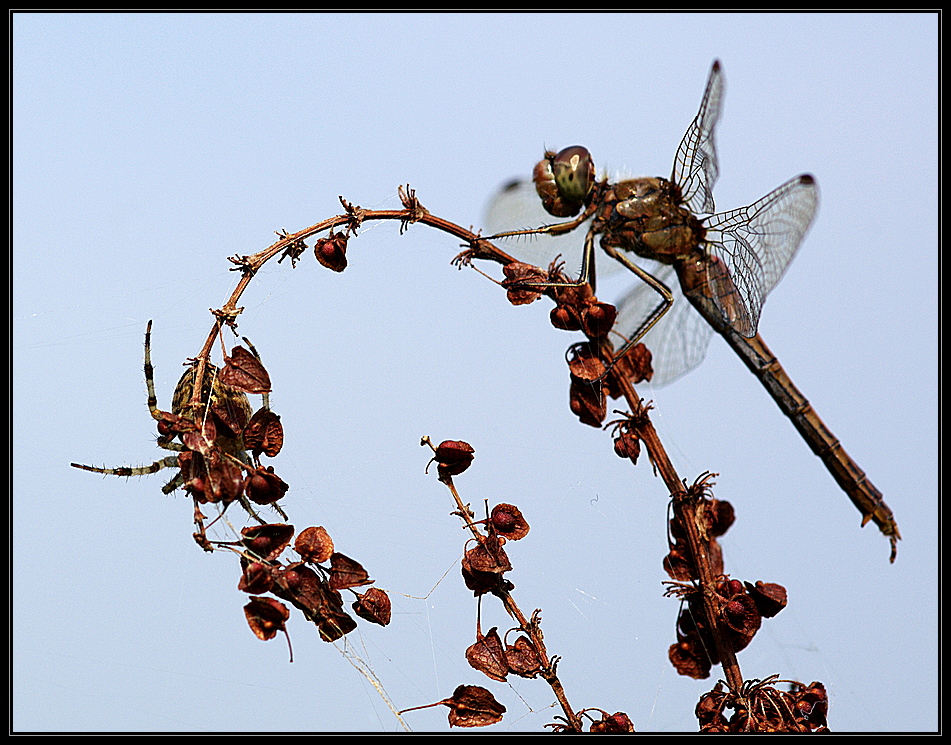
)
(666, 299)
(587, 263)
(556, 229)
(587, 270)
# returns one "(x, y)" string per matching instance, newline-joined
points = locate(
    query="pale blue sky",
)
(148, 148)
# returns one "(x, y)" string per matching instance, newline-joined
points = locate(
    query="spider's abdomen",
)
(230, 407)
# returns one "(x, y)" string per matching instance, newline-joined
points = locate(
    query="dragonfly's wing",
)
(756, 244)
(678, 341)
(695, 165)
(517, 207)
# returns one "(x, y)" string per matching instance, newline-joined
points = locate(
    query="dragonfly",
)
(701, 271)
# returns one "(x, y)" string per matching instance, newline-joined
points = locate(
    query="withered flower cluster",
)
(218, 444)
(491, 656)
(577, 309)
(761, 707)
(308, 585)
(617, 723)
(484, 564)
(742, 608)
(714, 518)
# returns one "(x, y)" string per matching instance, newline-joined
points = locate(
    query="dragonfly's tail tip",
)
(889, 529)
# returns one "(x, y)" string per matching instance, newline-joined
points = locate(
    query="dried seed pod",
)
(690, 659)
(314, 545)
(587, 402)
(263, 486)
(264, 433)
(597, 319)
(244, 372)
(267, 541)
(487, 655)
(487, 556)
(565, 317)
(222, 481)
(678, 565)
(507, 520)
(740, 614)
(610, 723)
(585, 396)
(718, 516)
(472, 706)
(769, 597)
(484, 582)
(522, 658)
(300, 585)
(453, 457)
(374, 606)
(345, 572)
(255, 578)
(636, 365)
(331, 251)
(812, 705)
(627, 445)
(517, 276)
(266, 616)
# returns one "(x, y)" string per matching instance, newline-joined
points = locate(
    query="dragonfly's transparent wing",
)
(756, 244)
(678, 341)
(695, 165)
(517, 207)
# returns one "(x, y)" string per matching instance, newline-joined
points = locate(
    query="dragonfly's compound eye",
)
(564, 180)
(574, 173)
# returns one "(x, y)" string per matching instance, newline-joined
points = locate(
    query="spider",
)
(209, 438)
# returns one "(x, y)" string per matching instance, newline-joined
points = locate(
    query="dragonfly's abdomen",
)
(647, 217)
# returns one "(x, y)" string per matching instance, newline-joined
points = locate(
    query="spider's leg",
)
(177, 480)
(149, 375)
(246, 503)
(175, 447)
(169, 462)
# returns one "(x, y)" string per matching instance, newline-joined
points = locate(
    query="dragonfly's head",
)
(564, 180)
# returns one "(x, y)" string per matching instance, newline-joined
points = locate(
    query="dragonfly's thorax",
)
(647, 216)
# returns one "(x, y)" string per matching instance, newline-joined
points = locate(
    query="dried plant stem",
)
(529, 626)
(249, 265)
(685, 511)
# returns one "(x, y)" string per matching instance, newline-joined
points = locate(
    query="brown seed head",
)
(314, 545)
(331, 251)
(509, 522)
